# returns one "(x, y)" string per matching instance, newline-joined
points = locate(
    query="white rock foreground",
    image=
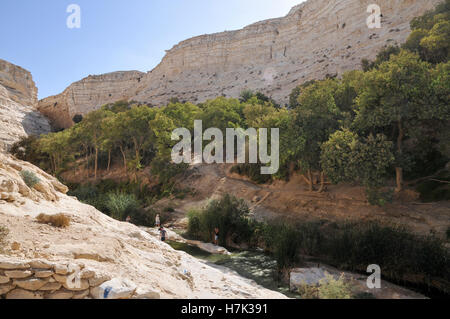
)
(96, 256)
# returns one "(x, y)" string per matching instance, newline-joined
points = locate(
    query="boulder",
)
(306, 276)
(18, 274)
(114, 289)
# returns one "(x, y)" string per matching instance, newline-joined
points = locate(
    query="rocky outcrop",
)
(88, 95)
(95, 256)
(18, 102)
(317, 38)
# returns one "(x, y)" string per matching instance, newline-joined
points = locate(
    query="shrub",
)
(30, 178)
(283, 241)
(331, 288)
(286, 250)
(59, 220)
(194, 228)
(308, 292)
(120, 204)
(229, 214)
(4, 231)
(328, 288)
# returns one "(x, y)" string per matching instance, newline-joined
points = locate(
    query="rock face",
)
(317, 38)
(88, 95)
(18, 106)
(95, 256)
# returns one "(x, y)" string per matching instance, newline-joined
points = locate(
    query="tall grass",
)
(120, 204)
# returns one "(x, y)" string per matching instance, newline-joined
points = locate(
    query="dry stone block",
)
(77, 285)
(30, 284)
(13, 265)
(60, 294)
(60, 278)
(24, 294)
(61, 269)
(81, 294)
(51, 286)
(43, 274)
(40, 264)
(18, 274)
(6, 288)
(4, 280)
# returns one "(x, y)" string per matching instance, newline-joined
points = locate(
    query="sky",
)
(114, 35)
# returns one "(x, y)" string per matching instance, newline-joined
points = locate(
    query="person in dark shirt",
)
(163, 233)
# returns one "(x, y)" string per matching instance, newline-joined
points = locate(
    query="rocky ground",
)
(135, 261)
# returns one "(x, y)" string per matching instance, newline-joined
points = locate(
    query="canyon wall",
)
(88, 95)
(317, 38)
(18, 106)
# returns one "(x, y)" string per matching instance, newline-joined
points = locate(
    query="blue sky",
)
(115, 34)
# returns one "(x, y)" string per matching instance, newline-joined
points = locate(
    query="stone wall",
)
(39, 279)
(317, 38)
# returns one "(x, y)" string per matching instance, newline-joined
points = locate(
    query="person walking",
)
(128, 220)
(157, 220)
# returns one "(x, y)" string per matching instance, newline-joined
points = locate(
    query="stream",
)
(254, 265)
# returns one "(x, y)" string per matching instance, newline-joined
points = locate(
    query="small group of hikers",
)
(163, 232)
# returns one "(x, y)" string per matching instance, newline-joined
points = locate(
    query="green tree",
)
(92, 126)
(316, 118)
(396, 95)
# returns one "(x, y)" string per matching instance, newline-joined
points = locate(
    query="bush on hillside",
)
(30, 178)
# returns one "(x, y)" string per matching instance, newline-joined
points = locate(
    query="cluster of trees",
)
(391, 118)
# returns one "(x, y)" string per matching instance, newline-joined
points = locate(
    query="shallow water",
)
(254, 265)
